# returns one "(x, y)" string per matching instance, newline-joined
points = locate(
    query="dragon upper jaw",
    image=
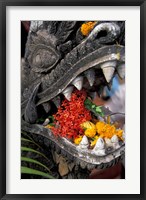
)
(109, 62)
(91, 75)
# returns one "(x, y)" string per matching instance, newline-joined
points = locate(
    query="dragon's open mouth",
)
(92, 81)
(92, 77)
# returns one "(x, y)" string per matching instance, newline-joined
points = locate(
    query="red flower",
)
(70, 116)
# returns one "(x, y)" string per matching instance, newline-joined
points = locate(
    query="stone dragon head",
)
(61, 56)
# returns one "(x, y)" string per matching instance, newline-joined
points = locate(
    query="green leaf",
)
(34, 161)
(97, 110)
(34, 151)
(26, 134)
(93, 106)
(51, 117)
(31, 141)
(102, 114)
(84, 128)
(41, 119)
(52, 124)
(27, 170)
(26, 140)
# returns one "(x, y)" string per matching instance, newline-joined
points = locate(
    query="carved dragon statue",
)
(59, 57)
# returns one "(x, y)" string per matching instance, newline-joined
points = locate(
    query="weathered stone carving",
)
(57, 59)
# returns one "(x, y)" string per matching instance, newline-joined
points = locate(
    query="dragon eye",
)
(44, 58)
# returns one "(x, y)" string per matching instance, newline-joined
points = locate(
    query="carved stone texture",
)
(56, 54)
(42, 54)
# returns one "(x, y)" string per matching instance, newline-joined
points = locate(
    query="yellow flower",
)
(119, 133)
(87, 124)
(90, 132)
(100, 126)
(93, 142)
(78, 139)
(90, 129)
(48, 126)
(107, 130)
(87, 27)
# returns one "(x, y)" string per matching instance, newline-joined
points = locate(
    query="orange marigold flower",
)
(87, 27)
(78, 139)
(90, 132)
(99, 126)
(108, 130)
(119, 133)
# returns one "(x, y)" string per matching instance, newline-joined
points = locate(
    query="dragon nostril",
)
(102, 33)
(105, 32)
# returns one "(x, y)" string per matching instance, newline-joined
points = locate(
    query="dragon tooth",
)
(99, 148)
(78, 82)
(46, 106)
(57, 101)
(99, 144)
(108, 142)
(67, 92)
(121, 70)
(115, 142)
(114, 139)
(108, 73)
(46, 122)
(90, 74)
(84, 143)
(108, 69)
